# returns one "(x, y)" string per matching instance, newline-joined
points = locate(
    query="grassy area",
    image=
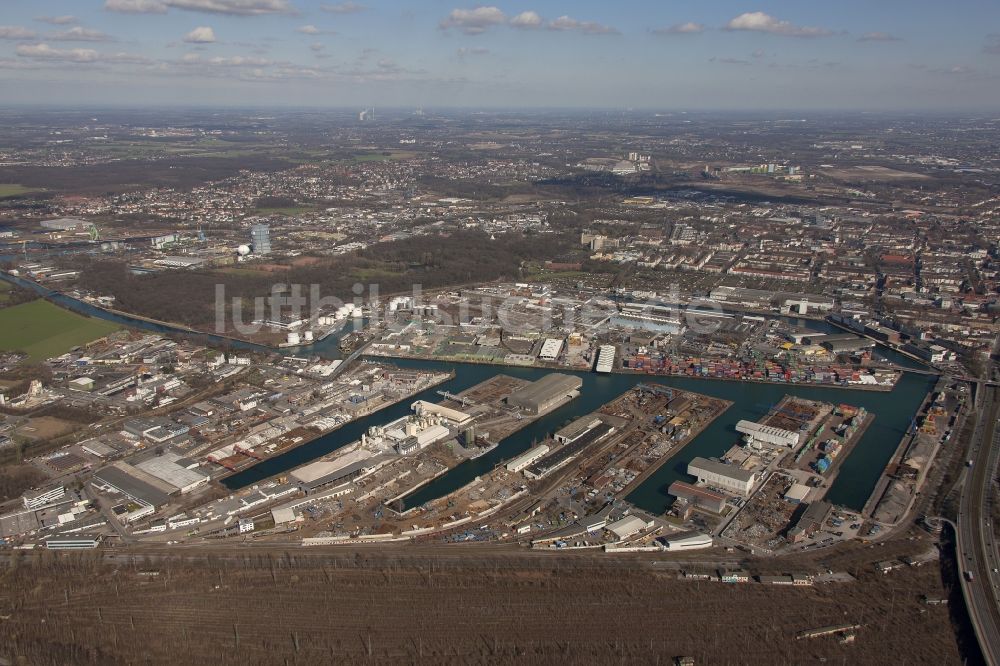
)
(44, 330)
(13, 189)
(5, 287)
(380, 157)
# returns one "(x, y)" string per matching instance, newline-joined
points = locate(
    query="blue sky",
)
(658, 54)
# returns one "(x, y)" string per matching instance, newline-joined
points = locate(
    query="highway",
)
(977, 551)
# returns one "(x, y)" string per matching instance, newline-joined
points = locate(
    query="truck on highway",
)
(968, 575)
(968, 463)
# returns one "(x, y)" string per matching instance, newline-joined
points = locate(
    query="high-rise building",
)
(260, 238)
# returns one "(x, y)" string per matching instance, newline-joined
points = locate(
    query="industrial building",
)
(339, 470)
(696, 496)
(628, 526)
(455, 417)
(756, 432)
(260, 238)
(134, 483)
(606, 358)
(686, 541)
(526, 458)
(77, 542)
(595, 431)
(577, 429)
(167, 468)
(546, 394)
(720, 475)
(551, 349)
(36, 499)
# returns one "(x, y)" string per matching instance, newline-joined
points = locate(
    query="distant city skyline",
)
(726, 55)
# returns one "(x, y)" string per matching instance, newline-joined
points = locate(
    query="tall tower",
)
(260, 238)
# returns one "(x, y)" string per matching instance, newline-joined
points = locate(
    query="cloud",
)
(472, 51)
(992, 44)
(79, 34)
(759, 53)
(16, 32)
(689, 28)
(761, 22)
(57, 20)
(233, 7)
(878, 37)
(730, 61)
(49, 54)
(203, 34)
(344, 8)
(221, 61)
(527, 20)
(588, 27)
(136, 6)
(317, 47)
(313, 30)
(474, 21)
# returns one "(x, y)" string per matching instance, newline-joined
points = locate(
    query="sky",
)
(879, 55)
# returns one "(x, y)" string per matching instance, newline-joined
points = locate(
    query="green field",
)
(10, 190)
(44, 330)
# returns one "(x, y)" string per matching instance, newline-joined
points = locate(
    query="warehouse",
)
(526, 458)
(577, 429)
(81, 542)
(719, 475)
(134, 483)
(568, 452)
(686, 541)
(166, 468)
(339, 470)
(699, 497)
(551, 349)
(628, 526)
(546, 394)
(768, 434)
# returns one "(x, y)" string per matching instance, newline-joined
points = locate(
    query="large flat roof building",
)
(768, 434)
(720, 475)
(546, 394)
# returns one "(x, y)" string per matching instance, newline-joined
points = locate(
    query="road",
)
(977, 550)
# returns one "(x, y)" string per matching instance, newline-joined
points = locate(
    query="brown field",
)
(46, 427)
(307, 607)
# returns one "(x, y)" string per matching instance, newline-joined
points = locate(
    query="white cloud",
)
(234, 7)
(16, 32)
(474, 21)
(57, 20)
(689, 28)
(761, 22)
(878, 37)
(308, 30)
(344, 8)
(588, 27)
(79, 34)
(992, 44)
(135, 6)
(203, 34)
(49, 54)
(527, 19)
(231, 61)
(472, 51)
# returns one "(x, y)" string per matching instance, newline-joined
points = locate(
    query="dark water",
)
(858, 474)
